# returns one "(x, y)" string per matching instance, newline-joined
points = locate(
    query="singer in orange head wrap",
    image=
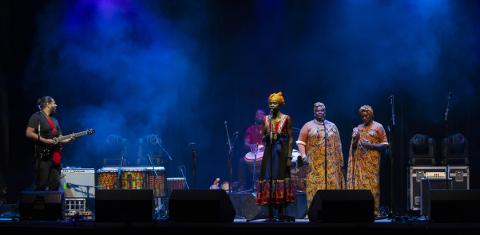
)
(274, 187)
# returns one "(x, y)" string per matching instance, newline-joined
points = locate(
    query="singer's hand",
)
(355, 134)
(365, 145)
(305, 159)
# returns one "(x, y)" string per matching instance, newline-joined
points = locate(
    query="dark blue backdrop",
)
(179, 69)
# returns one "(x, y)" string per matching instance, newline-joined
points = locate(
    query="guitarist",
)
(47, 153)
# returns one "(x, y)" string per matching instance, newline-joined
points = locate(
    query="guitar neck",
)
(77, 134)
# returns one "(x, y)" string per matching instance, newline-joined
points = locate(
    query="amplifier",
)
(78, 182)
(416, 175)
(458, 178)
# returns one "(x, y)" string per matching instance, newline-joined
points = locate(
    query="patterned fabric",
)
(282, 192)
(279, 127)
(275, 155)
(312, 134)
(364, 165)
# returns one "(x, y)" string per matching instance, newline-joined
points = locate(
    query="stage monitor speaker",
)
(342, 206)
(455, 206)
(41, 205)
(123, 205)
(200, 206)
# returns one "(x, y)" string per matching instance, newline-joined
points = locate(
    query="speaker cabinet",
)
(123, 205)
(342, 206)
(200, 206)
(41, 205)
(455, 205)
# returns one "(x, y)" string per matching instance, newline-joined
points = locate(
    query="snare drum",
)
(107, 177)
(178, 183)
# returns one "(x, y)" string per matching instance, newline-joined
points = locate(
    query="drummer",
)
(254, 146)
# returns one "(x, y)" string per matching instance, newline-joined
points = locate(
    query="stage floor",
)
(240, 226)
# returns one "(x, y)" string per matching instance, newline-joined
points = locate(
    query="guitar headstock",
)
(90, 131)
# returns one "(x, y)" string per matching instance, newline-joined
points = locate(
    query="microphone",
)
(391, 97)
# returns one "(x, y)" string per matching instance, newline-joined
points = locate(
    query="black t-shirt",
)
(45, 129)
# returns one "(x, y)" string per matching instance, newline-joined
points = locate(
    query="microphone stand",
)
(391, 130)
(270, 206)
(194, 166)
(353, 148)
(325, 163)
(254, 168)
(230, 152)
(180, 168)
(447, 109)
(119, 172)
(165, 151)
(152, 165)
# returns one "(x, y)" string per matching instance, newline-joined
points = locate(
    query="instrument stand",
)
(254, 189)
(231, 146)
(157, 200)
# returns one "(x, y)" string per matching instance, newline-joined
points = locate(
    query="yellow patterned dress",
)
(312, 136)
(364, 165)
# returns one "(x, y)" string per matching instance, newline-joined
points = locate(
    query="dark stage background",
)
(179, 69)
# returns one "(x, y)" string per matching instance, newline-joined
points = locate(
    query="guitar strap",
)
(56, 155)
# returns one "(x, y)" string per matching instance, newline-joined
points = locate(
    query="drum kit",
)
(298, 174)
